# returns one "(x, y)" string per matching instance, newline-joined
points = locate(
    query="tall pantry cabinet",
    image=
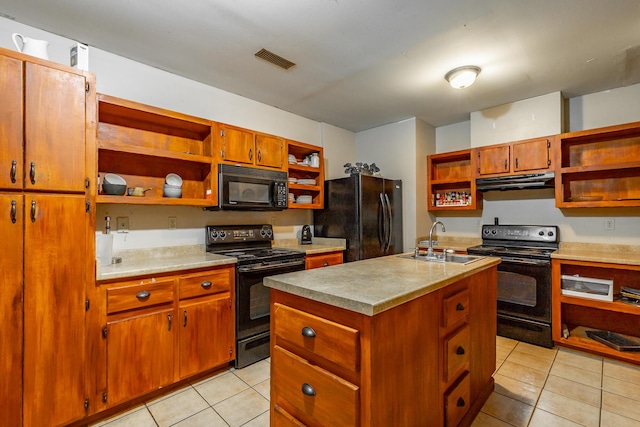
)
(47, 128)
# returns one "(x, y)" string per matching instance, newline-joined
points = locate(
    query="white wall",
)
(453, 137)
(339, 147)
(131, 80)
(607, 108)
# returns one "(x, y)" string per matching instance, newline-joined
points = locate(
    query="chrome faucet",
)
(430, 250)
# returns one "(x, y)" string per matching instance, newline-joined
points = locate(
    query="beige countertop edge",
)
(142, 267)
(372, 286)
(318, 245)
(596, 252)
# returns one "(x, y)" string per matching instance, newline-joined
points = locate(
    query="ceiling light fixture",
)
(462, 77)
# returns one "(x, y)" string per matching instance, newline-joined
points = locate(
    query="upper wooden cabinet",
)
(305, 179)
(246, 147)
(143, 144)
(451, 183)
(523, 156)
(42, 143)
(599, 167)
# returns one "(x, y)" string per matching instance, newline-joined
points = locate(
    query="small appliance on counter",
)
(306, 237)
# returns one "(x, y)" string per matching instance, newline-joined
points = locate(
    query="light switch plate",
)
(122, 224)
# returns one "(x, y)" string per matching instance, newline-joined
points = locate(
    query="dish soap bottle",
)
(104, 244)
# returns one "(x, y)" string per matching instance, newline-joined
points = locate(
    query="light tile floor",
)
(534, 387)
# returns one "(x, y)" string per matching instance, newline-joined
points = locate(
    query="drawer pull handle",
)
(307, 390)
(33, 211)
(459, 307)
(32, 172)
(206, 284)
(143, 295)
(460, 403)
(308, 332)
(184, 324)
(14, 171)
(169, 322)
(14, 212)
(460, 350)
(326, 264)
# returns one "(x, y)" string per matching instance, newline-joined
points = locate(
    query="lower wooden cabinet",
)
(322, 260)
(160, 330)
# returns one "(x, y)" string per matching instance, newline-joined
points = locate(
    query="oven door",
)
(252, 297)
(524, 288)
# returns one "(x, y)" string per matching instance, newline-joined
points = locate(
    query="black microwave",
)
(245, 188)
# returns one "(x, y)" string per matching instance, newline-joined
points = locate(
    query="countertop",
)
(457, 243)
(374, 285)
(142, 262)
(318, 245)
(614, 254)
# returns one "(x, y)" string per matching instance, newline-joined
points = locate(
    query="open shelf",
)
(143, 144)
(300, 150)
(450, 182)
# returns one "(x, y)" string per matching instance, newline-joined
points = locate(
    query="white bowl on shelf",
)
(172, 192)
(174, 180)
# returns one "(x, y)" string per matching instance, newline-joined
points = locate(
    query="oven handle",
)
(525, 261)
(248, 269)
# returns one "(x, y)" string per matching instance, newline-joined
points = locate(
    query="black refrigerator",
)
(366, 211)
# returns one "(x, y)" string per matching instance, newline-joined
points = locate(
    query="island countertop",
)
(374, 285)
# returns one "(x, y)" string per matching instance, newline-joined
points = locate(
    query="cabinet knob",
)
(308, 332)
(460, 350)
(460, 403)
(308, 390)
(459, 307)
(206, 284)
(326, 264)
(143, 295)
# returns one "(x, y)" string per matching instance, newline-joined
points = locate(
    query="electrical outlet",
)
(122, 224)
(609, 224)
(173, 222)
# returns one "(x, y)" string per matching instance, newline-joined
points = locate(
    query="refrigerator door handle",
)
(382, 225)
(389, 222)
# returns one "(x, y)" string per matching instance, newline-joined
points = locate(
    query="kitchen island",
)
(385, 341)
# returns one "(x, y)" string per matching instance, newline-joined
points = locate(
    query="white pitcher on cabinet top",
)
(33, 47)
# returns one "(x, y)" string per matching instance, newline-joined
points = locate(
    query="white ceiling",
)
(364, 63)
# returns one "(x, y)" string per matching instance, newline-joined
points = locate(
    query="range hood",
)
(516, 182)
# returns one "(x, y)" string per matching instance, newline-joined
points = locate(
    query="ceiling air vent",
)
(274, 59)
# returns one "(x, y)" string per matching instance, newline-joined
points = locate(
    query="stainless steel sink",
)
(450, 258)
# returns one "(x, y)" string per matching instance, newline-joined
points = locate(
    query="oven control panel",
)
(529, 233)
(216, 234)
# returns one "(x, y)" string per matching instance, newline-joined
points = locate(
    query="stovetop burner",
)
(526, 241)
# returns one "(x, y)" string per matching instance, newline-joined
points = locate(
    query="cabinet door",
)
(55, 259)
(238, 145)
(493, 159)
(531, 155)
(269, 151)
(11, 121)
(139, 355)
(206, 334)
(54, 129)
(11, 207)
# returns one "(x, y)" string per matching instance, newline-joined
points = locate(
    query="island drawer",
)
(139, 294)
(312, 392)
(323, 260)
(457, 401)
(456, 357)
(200, 284)
(337, 343)
(455, 308)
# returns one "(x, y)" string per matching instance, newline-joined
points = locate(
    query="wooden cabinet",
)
(54, 308)
(599, 167)
(332, 366)
(322, 260)
(11, 227)
(305, 180)
(206, 330)
(46, 136)
(531, 155)
(578, 315)
(143, 144)
(451, 183)
(249, 148)
(160, 330)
